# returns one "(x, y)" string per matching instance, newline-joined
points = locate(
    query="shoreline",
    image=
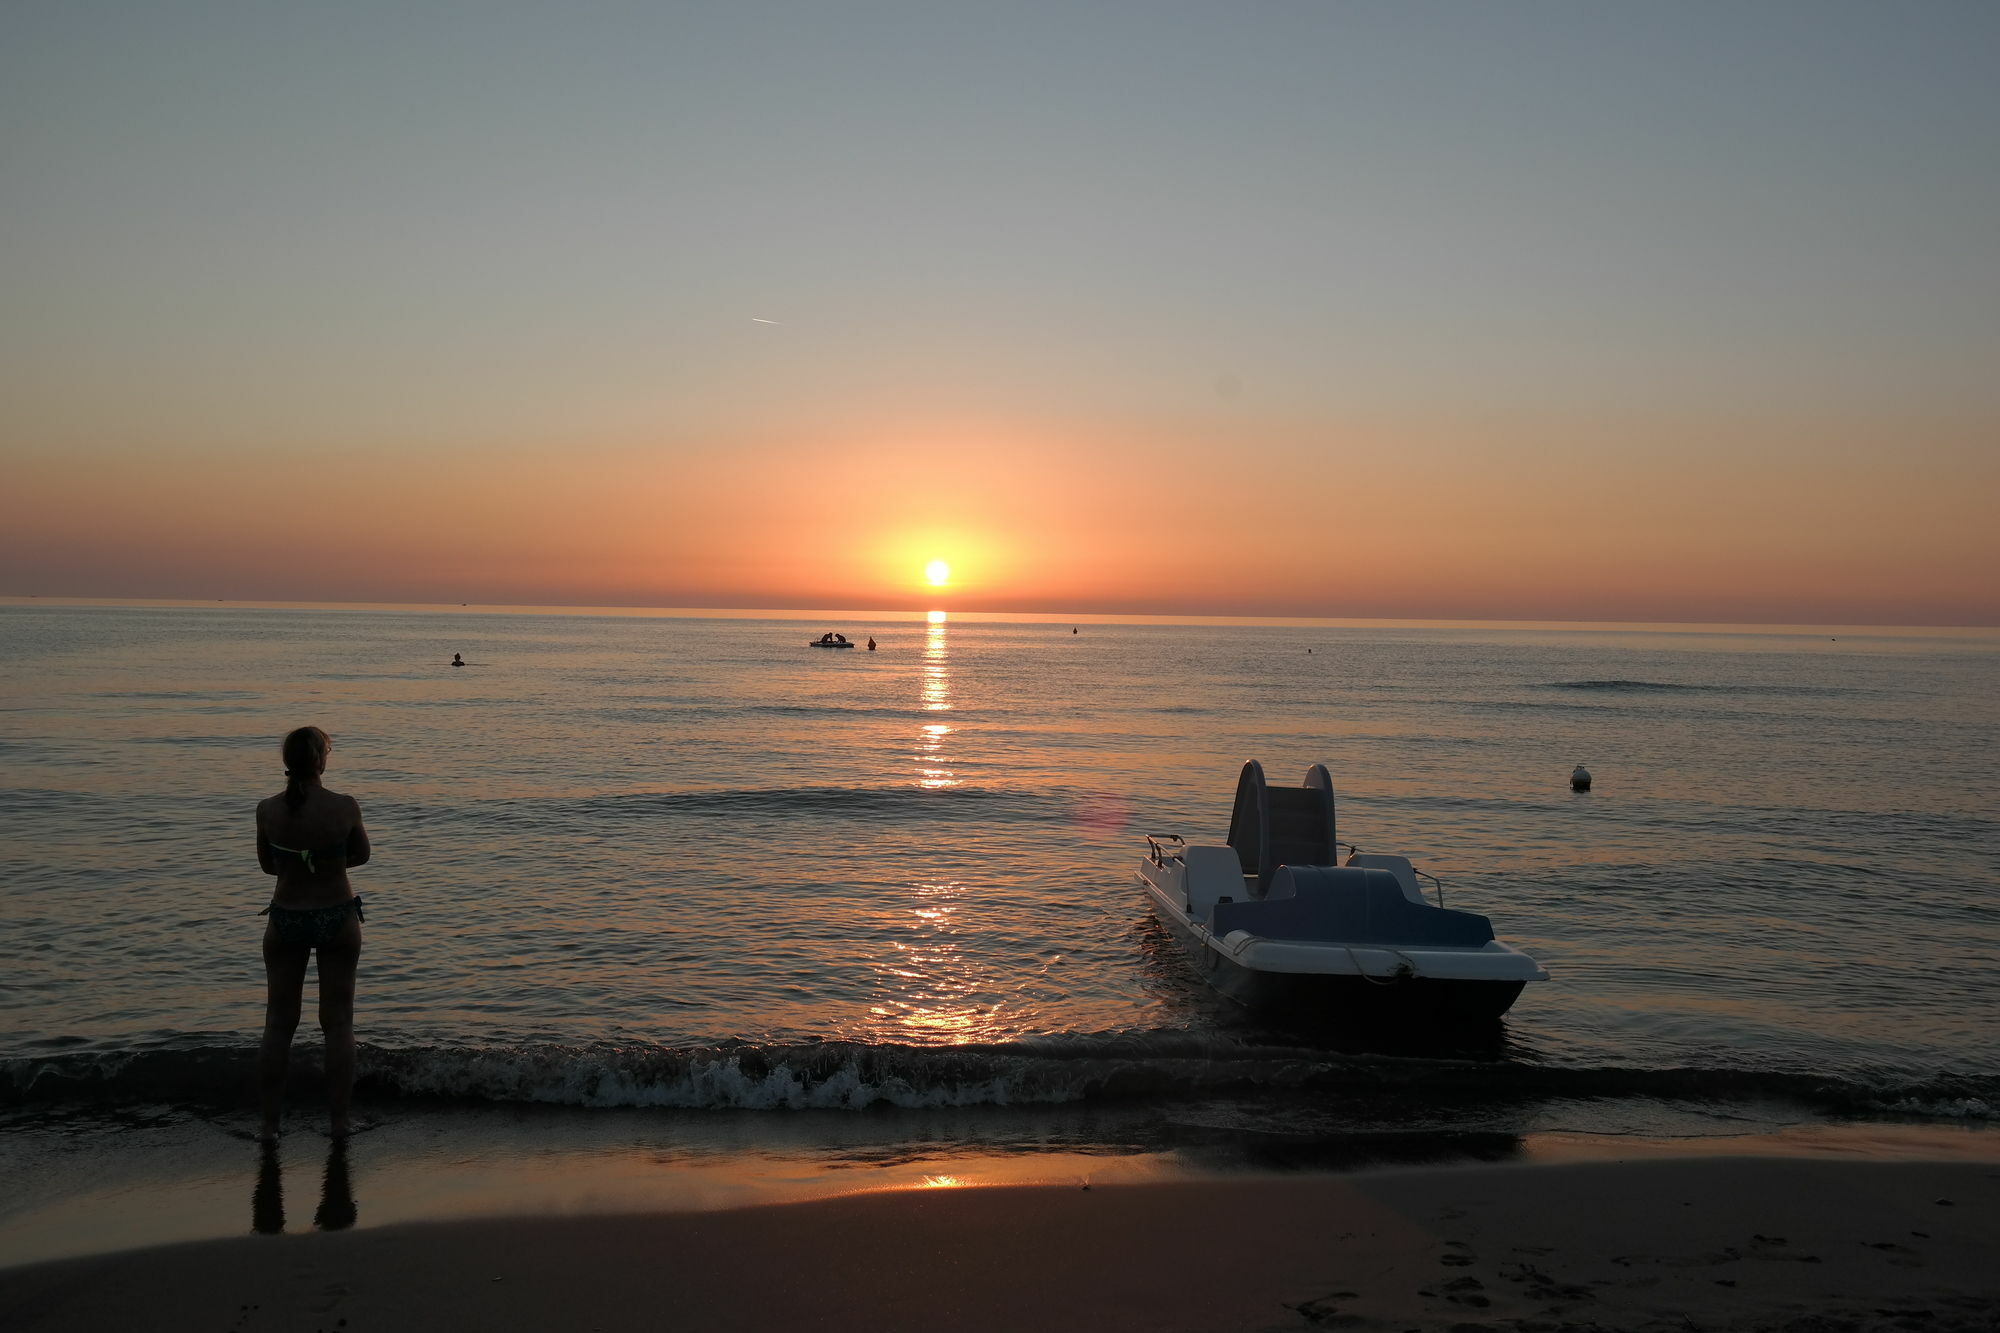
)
(88, 1187)
(1728, 1242)
(119, 1185)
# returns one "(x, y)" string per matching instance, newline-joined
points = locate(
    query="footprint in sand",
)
(1762, 1245)
(1323, 1311)
(1541, 1286)
(1465, 1291)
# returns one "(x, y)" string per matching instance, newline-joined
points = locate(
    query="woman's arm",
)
(264, 857)
(357, 840)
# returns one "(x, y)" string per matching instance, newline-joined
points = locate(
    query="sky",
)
(1684, 312)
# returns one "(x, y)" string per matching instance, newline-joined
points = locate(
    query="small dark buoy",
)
(457, 660)
(871, 645)
(1579, 778)
(1072, 629)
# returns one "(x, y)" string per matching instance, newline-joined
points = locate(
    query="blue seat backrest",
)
(1352, 907)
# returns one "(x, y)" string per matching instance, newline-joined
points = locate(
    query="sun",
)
(938, 573)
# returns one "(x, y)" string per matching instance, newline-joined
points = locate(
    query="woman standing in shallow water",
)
(309, 838)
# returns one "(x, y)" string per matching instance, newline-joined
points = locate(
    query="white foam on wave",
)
(1170, 1067)
(715, 1082)
(1940, 1108)
(842, 1076)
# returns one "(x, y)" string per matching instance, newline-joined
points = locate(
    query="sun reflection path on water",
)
(933, 989)
(933, 767)
(933, 985)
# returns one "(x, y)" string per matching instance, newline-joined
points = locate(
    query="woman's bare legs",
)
(337, 962)
(285, 973)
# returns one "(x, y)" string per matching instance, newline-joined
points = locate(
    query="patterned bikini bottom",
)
(315, 927)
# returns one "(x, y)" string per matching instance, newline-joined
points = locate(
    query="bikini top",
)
(306, 854)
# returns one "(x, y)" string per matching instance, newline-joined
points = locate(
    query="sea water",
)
(683, 862)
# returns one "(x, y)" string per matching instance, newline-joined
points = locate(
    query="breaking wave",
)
(1683, 687)
(881, 802)
(911, 712)
(1164, 1067)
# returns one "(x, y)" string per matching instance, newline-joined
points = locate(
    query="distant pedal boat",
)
(824, 643)
(1274, 922)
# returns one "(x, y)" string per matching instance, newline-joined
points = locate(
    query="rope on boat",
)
(1400, 977)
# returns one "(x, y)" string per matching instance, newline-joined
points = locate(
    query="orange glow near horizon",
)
(1764, 523)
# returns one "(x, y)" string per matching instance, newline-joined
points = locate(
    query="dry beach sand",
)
(1808, 1246)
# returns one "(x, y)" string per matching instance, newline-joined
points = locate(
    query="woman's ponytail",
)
(304, 751)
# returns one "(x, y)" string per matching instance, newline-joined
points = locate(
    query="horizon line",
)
(895, 615)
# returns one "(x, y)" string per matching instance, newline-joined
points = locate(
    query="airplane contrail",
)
(755, 320)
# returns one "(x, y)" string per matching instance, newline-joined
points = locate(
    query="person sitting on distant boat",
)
(840, 638)
(456, 660)
(309, 838)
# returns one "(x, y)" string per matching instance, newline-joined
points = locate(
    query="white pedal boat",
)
(1275, 922)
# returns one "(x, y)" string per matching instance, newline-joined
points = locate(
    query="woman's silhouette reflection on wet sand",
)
(336, 1210)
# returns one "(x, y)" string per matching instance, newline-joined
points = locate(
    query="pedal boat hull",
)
(1386, 975)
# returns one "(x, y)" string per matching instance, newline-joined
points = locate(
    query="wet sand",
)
(1658, 1244)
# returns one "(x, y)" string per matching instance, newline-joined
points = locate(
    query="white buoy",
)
(1579, 778)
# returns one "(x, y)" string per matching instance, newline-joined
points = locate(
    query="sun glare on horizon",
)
(938, 573)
